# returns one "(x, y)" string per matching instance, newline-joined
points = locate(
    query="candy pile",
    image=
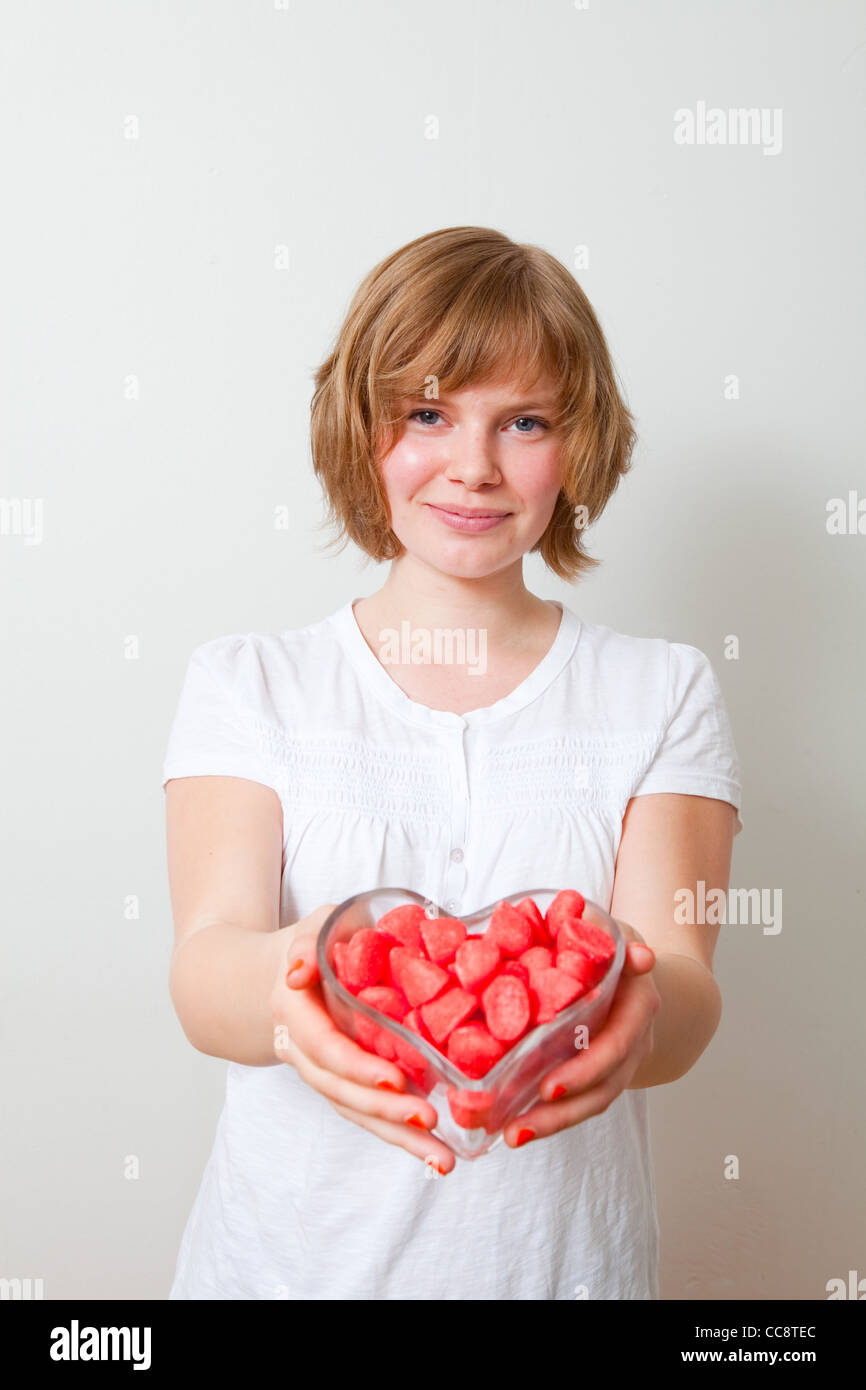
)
(471, 997)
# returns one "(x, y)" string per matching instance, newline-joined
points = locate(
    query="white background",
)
(154, 258)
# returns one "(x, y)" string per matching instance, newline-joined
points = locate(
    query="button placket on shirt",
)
(454, 870)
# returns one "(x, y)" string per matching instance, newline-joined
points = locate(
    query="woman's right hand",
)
(358, 1084)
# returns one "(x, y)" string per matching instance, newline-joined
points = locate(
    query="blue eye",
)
(423, 412)
(533, 420)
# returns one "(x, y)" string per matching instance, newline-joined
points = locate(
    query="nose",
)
(472, 457)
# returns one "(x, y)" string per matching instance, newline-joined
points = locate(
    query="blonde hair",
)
(467, 306)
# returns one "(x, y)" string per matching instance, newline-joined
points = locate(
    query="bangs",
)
(491, 328)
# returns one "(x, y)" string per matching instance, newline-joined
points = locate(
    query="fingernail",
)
(385, 1086)
(523, 1137)
(557, 1092)
(296, 965)
(416, 1121)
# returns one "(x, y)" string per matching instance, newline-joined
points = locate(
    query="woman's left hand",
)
(602, 1070)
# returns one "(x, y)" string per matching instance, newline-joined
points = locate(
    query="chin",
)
(467, 566)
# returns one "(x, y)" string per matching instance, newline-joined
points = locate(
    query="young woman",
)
(468, 415)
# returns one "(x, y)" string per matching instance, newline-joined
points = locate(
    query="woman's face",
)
(473, 480)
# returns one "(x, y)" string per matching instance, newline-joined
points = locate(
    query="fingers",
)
(301, 967)
(431, 1151)
(639, 959)
(591, 1068)
(362, 1087)
(631, 1014)
(309, 1026)
(349, 1078)
(550, 1117)
(369, 1099)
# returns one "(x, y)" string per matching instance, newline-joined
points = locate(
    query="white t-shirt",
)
(378, 790)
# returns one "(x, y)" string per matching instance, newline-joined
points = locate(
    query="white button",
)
(457, 856)
(451, 905)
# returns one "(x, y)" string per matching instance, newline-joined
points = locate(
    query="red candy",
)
(510, 930)
(540, 935)
(535, 959)
(387, 1001)
(473, 1050)
(529, 908)
(594, 942)
(516, 967)
(506, 1008)
(577, 964)
(418, 978)
(554, 990)
(567, 906)
(407, 1056)
(404, 924)
(442, 1015)
(470, 1109)
(340, 948)
(441, 937)
(476, 963)
(371, 1035)
(364, 959)
(584, 939)
(471, 997)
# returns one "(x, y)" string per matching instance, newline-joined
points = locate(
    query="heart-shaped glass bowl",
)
(471, 1114)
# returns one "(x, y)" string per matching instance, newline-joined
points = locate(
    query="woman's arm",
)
(671, 842)
(667, 1004)
(231, 959)
(686, 1020)
(224, 842)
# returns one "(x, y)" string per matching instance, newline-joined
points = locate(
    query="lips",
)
(467, 519)
(464, 511)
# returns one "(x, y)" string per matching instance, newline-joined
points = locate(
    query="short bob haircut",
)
(467, 306)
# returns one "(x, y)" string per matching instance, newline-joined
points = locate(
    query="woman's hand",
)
(587, 1084)
(358, 1084)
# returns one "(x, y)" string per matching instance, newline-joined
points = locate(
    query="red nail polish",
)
(523, 1137)
(385, 1086)
(557, 1092)
(416, 1121)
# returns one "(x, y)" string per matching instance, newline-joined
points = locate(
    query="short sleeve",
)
(697, 755)
(214, 733)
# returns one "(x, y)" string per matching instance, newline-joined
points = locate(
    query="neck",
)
(500, 603)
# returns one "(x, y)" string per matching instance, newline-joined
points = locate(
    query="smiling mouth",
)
(465, 511)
